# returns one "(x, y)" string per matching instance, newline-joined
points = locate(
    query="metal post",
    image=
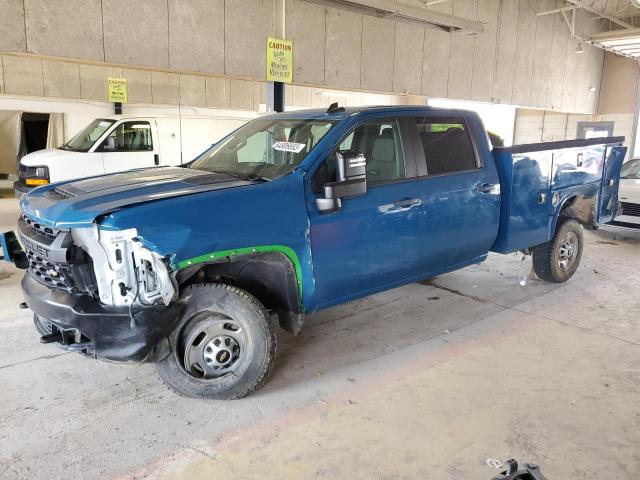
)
(275, 90)
(117, 108)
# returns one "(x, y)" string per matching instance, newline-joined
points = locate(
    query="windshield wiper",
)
(242, 176)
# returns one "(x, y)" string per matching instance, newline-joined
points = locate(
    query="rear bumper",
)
(99, 330)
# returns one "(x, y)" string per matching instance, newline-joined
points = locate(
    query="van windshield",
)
(631, 169)
(264, 149)
(85, 138)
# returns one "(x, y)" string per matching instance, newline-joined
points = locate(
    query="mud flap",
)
(608, 204)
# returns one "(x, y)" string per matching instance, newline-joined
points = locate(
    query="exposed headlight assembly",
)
(126, 271)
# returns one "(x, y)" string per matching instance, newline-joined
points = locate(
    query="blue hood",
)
(78, 203)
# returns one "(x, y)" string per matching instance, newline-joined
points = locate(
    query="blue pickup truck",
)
(191, 267)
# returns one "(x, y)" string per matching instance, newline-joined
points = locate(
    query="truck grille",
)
(40, 229)
(51, 273)
(632, 209)
(53, 258)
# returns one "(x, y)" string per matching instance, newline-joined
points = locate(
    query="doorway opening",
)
(34, 132)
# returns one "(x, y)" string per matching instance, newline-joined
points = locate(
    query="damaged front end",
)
(98, 291)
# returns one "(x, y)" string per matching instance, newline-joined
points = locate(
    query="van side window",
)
(380, 143)
(447, 145)
(129, 137)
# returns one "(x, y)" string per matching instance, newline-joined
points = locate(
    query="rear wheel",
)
(225, 346)
(557, 260)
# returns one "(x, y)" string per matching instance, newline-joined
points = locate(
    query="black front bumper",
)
(99, 330)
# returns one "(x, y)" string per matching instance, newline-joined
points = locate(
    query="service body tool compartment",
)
(539, 179)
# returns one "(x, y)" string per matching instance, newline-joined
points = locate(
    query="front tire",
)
(557, 260)
(224, 346)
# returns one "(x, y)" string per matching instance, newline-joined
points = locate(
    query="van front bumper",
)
(79, 322)
(21, 189)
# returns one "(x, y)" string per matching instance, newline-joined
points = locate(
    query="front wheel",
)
(558, 259)
(224, 347)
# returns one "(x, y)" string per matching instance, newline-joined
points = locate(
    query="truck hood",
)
(46, 156)
(77, 203)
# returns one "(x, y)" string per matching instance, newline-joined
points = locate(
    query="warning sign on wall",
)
(279, 60)
(117, 89)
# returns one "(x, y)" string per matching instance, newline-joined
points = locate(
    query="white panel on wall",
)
(569, 83)
(407, 64)
(343, 48)
(378, 52)
(305, 25)
(435, 61)
(247, 25)
(462, 53)
(556, 66)
(507, 37)
(485, 52)
(196, 35)
(525, 45)
(542, 67)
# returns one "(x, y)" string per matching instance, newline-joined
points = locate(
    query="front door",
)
(460, 192)
(130, 145)
(373, 240)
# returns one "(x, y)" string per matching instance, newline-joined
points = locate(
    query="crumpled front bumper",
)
(99, 330)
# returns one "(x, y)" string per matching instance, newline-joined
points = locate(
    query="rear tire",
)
(224, 346)
(557, 260)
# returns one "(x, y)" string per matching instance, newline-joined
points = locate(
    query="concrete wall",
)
(175, 51)
(533, 126)
(619, 85)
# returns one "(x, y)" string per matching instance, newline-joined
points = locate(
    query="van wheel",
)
(224, 346)
(557, 260)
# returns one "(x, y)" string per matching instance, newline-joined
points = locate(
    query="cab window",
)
(380, 143)
(447, 145)
(129, 137)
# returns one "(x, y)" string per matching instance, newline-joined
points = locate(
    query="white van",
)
(119, 143)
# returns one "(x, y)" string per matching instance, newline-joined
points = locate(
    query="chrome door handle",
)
(407, 202)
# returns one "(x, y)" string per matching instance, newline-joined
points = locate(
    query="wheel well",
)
(579, 207)
(268, 276)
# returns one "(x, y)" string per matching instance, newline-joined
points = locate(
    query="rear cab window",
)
(447, 145)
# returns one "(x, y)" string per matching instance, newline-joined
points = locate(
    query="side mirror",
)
(109, 145)
(351, 181)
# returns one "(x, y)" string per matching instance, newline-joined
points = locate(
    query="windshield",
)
(84, 140)
(264, 149)
(631, 169)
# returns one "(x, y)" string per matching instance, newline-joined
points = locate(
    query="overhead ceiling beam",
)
(555, 10)
(589, 8)
(402, 12)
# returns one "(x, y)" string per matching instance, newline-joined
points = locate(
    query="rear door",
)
(131, 144)
(460, 192)
(608, 199)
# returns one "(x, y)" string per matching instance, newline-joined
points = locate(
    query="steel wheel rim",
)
(568, 251)
(213, 347)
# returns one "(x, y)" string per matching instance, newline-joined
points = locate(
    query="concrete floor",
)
(424, 381)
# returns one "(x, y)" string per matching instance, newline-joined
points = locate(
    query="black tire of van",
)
(206, 307)
(557, 260)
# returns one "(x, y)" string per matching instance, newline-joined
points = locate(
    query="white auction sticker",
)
(289, 147)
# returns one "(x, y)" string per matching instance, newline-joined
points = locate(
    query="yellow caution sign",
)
(117, 89)
(279, 60)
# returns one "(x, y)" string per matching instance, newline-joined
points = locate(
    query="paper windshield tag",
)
(289, 147)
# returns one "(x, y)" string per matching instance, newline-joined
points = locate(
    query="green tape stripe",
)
(287, 251)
